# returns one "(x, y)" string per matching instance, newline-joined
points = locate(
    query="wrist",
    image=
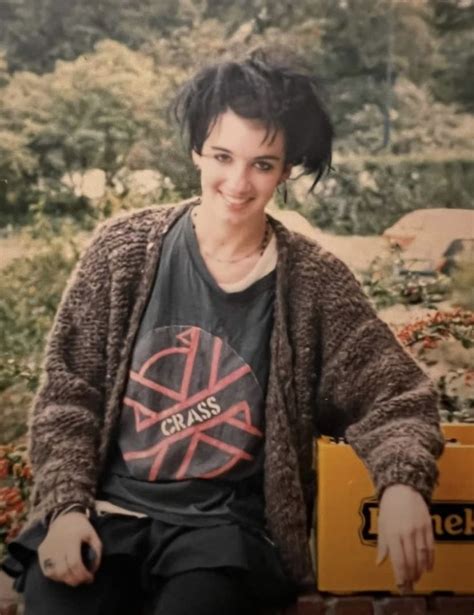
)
(64, 509)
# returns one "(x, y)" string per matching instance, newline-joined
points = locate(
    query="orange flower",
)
(4, 468)
(439, 325)
(26, 473)
(14, 499)
(17, 507)
(10, 495)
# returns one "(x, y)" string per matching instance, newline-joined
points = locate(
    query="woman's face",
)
(239, 168)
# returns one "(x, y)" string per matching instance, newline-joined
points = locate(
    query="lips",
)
(235, 202)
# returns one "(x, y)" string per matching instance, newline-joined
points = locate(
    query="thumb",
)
(96, 546)
(382, 552)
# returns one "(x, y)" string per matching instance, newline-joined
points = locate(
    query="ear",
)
(196, 159)
(286, 173)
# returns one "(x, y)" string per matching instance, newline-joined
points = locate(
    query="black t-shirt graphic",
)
(191, 434)
(191, 409)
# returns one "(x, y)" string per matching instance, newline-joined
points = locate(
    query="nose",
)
(238, 180)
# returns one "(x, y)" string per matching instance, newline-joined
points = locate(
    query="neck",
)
(227, 240)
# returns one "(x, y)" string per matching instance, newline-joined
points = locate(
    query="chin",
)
(236, 212)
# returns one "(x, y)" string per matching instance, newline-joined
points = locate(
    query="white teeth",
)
(235, 201)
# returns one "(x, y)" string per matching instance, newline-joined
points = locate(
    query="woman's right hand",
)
(59, 554)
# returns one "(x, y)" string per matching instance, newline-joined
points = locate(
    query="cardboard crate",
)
(346, 523)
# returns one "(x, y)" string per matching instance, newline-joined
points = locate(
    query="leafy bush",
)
(444, 343)
(364, 195)
(89, 113)
(15, 486)
(30, 289)
(387, 283)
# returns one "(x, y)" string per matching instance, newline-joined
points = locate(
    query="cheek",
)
(210, 178)
(269, 184)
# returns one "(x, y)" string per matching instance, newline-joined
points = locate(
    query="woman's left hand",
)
(405, 533)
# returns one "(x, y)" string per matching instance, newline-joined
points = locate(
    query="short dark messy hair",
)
(280, 96)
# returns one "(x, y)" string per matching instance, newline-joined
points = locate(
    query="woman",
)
(195, 353)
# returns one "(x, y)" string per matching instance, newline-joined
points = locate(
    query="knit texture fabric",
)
(335, 366)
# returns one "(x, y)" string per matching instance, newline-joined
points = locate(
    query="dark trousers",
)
(115, 591)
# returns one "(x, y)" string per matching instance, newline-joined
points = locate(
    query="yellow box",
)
(346, 520)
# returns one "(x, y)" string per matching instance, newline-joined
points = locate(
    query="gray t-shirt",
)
(191, 433)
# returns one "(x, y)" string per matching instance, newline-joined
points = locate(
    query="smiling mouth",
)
(235, 202)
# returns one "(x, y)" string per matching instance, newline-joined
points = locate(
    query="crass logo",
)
(452, 521)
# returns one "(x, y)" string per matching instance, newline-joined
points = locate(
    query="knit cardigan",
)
(334, 368)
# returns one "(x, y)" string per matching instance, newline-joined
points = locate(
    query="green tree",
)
(454, 24)
(37, 33)
(92, 112)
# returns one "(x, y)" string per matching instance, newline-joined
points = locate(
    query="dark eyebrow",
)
(227, 151)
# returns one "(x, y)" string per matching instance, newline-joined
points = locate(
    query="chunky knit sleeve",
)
(367, 376)
(67, 410)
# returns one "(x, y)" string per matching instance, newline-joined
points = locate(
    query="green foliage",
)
(387, 283)
(15, 488)
(88, 113)
(418, 123)
(38, 33)
(107, 108)
(365, 195)
(453, 22)
(104, 103)
(30, 290)
(4, 77)
(444, 343)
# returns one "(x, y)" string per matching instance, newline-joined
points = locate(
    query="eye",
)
(222, 157)
(263, 166)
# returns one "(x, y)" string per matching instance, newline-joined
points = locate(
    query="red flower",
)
(10, 496)
(4, 468)
(26, 473)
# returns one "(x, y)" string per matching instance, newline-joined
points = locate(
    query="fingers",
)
(419, 551)
(60, 554)
(397, 557)
(430, 545)
(382, 551)
(67, 568)
(76, 568)
(420, 555)
(56, 569)
(47, 564)
(410, 556)
(96, 545)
